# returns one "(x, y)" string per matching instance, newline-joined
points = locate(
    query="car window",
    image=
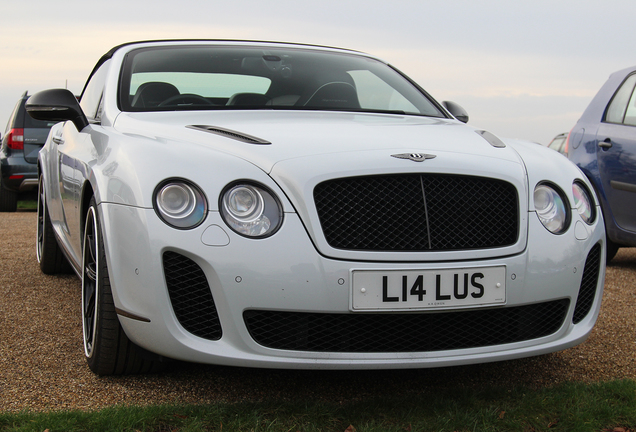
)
(244, 77)
(30, 122)
(557, 143)
(374, 93)
(618, 106)
(630, 112)
(93, 91)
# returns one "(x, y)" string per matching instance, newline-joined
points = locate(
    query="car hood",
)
(290, 137)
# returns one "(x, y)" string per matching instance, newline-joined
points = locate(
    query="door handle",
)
(606, 144)
(58, 140)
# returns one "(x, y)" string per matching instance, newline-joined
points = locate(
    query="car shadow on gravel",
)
(204, 383)
(624, 259)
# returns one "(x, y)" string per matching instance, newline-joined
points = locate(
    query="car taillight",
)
(15, 139)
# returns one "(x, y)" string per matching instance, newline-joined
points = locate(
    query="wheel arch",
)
(85, 202)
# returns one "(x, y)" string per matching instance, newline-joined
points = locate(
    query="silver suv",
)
(22, 140)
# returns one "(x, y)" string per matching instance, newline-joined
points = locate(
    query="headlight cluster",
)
(553, 208)
(247, 208)
(251, 210)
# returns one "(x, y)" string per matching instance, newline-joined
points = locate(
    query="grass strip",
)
(609, 406)
(27, 205)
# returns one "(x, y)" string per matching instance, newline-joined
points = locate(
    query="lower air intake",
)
(587, 292)
(191, 297)
(405, 332)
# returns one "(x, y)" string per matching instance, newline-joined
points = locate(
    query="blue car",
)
(603, 145)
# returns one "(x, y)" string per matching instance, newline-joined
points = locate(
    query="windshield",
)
(223, 77)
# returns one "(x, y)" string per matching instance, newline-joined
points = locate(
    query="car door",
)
(69, 143)
(616, 154)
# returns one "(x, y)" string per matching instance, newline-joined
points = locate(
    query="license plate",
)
(428, 289)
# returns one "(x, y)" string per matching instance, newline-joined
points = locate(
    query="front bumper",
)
(285, 276)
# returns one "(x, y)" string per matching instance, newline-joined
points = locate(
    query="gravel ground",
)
(42, 365)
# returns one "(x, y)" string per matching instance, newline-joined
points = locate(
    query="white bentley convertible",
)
(292, 206)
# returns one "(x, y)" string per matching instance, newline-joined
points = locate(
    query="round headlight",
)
(245, 203)
(180, 204)
(251, 210)
(583, 203)
(551, 209)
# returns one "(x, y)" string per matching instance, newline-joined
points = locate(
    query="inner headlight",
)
(251, 210)
(180, 203)
(583, 203)
(551, 208)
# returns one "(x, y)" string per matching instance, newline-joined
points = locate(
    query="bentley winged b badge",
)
(415, 157)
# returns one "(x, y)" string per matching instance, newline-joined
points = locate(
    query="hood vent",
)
(491, 138)
(228, 133)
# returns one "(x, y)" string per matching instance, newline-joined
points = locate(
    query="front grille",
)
(589, 281)
(406, 332)
(190, 296)
(417, 212)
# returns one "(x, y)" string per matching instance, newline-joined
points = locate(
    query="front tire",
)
(612, 250)
(8, 199)
(107, 348)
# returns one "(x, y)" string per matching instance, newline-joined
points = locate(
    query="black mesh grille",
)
(190, 296)
(587, 292)
(415, 212)
(408, 332)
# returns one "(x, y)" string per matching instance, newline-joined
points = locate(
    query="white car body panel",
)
(122, 159)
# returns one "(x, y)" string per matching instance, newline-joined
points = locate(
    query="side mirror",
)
(456, 110)
(56, 105)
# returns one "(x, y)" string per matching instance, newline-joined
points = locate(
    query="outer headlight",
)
(584, 203)
(180, 203)
(551, 208)
(251, 210)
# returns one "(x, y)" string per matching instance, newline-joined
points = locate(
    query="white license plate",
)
(428, 289)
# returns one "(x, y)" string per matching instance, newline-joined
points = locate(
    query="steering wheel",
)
(185, 99)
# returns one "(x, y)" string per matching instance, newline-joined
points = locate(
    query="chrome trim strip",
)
(130, 315)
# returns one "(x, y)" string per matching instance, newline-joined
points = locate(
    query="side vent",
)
(228, 133)
(191, 297)
(589, 281)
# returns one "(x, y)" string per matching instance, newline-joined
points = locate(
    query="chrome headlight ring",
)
(180, 203)
(250, 209)
(551, 206)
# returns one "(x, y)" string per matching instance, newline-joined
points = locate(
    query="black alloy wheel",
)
(90, 286)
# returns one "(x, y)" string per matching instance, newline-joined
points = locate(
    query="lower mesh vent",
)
(587, 292)
(190, 296)
(406, 332)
